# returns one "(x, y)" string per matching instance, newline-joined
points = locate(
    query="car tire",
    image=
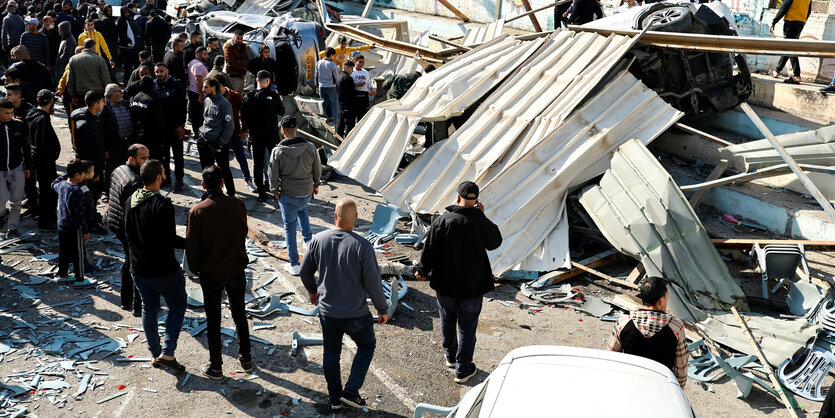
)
(669, 19)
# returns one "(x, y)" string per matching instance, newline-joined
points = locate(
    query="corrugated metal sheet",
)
(566, 69)
(480, 34)
(372, 151)
(526, 198)
(642, 212)
(810, 147)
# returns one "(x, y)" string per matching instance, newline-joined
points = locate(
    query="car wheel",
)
(669, 19)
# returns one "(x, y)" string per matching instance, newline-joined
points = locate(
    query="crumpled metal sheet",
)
(642, 212)
(371, 152)
(810, 147)
(483, 33)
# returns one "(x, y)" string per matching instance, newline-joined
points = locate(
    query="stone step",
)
(803, 100)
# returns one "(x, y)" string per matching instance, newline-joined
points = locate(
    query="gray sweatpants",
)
(12, 183)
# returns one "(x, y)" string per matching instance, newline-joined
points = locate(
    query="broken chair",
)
(384, 223)
(804, 373)
(779, 262)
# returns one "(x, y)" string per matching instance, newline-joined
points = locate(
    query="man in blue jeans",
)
(455, 261)
(295, 172)
(152, 237)
(348, 271)
(327, 72)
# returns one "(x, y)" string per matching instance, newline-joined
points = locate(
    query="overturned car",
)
(695, 82)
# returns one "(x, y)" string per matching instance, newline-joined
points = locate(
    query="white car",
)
(547, 380)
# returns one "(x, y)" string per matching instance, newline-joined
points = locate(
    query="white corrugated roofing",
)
(643, 213)
(480, 34)
(372, 151)
(810, 147)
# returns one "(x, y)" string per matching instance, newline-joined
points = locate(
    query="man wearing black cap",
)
(45, 151)
(295, 173)
(455, 261)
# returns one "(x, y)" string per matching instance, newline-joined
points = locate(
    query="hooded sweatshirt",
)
(46, 148)
(152, 235)
(655, 335)
(295, 168)
(89, 137)
(67, 47)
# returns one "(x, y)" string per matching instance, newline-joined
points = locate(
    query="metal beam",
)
(807, 182)
(399, 47)
(774, 170)
(704, 135)
(367, 8)
(721, 43)
(718, 170)
(747, 243)
(450, 43)
(527, 5)
(455, 11)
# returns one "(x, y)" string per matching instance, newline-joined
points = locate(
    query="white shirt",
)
(359, 76)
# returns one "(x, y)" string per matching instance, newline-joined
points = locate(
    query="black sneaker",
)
(246, 364)
(335, 407)
(449, 363)
(353, 400)
(173, 364)
(262, 197)
(179, 186)
(211, 373)
(464, 376)
(828, 89)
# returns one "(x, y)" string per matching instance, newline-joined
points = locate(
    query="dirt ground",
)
(408, 364)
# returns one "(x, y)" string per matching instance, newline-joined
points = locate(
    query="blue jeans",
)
(463, 313)
(331, 103)
(293, 213)
(173, 289)
(361, 330)
(237, 145)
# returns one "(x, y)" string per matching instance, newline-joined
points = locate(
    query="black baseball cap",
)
(44, 97)
(288, 122)
(468, 190)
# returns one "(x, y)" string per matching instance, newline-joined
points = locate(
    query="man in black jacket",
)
(174, 61)
(455, 261)
(146, 113)
(260, 111)
(124, 182)
(15, 164)
(118, 125)
(46, 148)
(216, 251)
(195, 40)
(130, 41)
(152, 237)
(90, 139)
(583, 11)
(347, 93)
(172, 97)
(157, 34)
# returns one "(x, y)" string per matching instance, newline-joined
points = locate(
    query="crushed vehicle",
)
(698, 83)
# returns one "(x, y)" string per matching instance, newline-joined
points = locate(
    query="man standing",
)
(125, 181)
(15, 163)
(295, 173)
(66, 49)
(101, 49)
(651, 332)
(454, 259)
(86, 72)
(236, 144)
(13, 28)
(348, 272)
(36, 42)
(46, 148)
(362, 82)
(326, 74)
(583, 11)
(144, 61)
(237, 60)
(260, 110)
(216, 132)
(197, 72)
(130, 41)
(216, 251)
(214, 49)
(174, 61)
(90, 143)
(217, 71)
(172, 97)
(347, 94)
(152, 237)
(118, 127)
(157, 35)
(195, 40)
(343, 52)
(794, 14)
(146, 112)
(53, 40)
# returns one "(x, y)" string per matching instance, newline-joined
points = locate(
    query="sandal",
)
(791, 80)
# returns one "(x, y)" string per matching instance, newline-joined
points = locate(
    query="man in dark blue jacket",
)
(15, 164)
(455, 261)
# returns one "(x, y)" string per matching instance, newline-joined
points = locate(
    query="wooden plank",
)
(527, 5)
(604, 276)
(537, 10)
(328, 127)
(747, 243)
(804, 179)
(703, 134)
(592, 262)
(264, 243)
(636, 274)
(454, 11)
(789, 403)
(717, 172)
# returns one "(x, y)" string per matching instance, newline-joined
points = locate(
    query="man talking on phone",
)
(455, 262)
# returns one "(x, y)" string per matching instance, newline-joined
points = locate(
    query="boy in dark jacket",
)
(455, 261)
(15, 164)
(90, 142)
(347, 93)
(46, 148)
(216, 251)
(72, 221)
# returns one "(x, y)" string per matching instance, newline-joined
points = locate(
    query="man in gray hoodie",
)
(66, 49)
(218, 125)
(295, 172)
(13, 26)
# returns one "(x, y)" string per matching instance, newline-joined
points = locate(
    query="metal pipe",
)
(450, 43)
(537, 10)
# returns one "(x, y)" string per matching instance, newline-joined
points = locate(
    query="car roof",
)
(573, 381)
